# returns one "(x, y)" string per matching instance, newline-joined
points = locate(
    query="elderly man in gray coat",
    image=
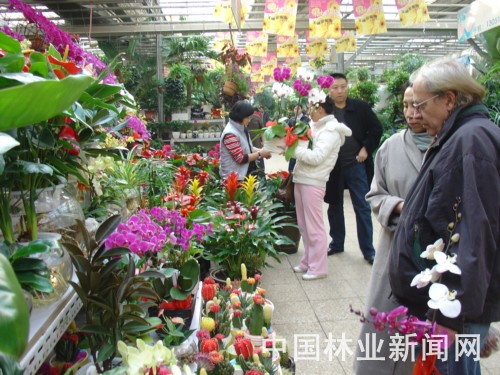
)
(397, 164)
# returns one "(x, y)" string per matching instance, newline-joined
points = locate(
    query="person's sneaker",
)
(370, 259)
(334, 251)
(309, 276)
(299, 269)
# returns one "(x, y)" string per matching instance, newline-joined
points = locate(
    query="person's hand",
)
(265, 154)
(362, 155)
(399, 207)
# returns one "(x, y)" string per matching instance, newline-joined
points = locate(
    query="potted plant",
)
(232, 60)
(186, 127)
(111, 292)
(175, 128)
(245, 230)
(286, 211)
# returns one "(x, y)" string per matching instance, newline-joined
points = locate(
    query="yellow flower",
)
(207, 323)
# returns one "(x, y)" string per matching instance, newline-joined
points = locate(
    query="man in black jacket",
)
(354, 169)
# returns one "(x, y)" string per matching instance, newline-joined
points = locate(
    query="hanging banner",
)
(370, 18)
(280, 17)
(287, 46)
(256, 75)
(315, 47)
(293, 63)
(224, 12)
(221, 39)
(346, 43)
(256, 43)
(324, 18)
(480, 16)
(268, 63)
(412, 12)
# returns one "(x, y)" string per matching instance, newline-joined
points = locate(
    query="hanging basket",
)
(229, 88)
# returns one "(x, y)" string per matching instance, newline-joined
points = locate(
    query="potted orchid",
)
(279, 137)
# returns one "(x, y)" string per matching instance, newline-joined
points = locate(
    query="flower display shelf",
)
(199, 123)
(47, 324)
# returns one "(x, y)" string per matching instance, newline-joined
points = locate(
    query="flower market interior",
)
(126, 248)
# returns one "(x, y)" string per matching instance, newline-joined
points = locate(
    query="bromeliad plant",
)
(245, 230)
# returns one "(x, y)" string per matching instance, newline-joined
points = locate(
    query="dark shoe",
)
(370, 259)
(334, 251)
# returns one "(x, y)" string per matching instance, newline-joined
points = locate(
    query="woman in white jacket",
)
(310, 175)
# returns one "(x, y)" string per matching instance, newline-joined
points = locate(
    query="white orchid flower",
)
(316, 96)
(446, 263)
(6, 143)
(431, 249)
(441, 298)
(424, 278)
(280, 90)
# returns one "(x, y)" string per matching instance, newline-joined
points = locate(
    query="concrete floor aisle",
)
(307, 313)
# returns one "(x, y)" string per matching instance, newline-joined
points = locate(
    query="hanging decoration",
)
(256, 75)
(268, 63)
(324, 18)
(315, 47)
(287, 46)
(280, 17)
(293, 63)
(256, 43)
(221, 39)
(346, 43)
(370, 18)
(223, 12)
(412, 12)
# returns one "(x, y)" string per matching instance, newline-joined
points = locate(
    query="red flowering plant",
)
(244, 230)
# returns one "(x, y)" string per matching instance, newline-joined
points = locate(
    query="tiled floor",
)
(310, 311)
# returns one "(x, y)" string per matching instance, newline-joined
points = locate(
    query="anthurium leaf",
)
(11, 63)
(37, 101)
(14, 315)
(104, 91)
(9, 44)
(39, 65)
(14, 79)
(290, 151)
(167, 272)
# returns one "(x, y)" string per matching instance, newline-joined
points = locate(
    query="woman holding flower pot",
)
(310, 175)
(237, 153)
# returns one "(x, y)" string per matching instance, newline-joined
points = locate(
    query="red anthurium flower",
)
(67, 132)
(69, 66)
(270, 123)
(290, 138)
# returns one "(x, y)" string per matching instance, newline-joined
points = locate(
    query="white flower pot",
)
(176, 135)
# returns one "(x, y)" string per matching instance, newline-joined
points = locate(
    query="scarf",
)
(422, 140)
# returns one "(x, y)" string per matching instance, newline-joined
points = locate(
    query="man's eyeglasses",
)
(419, 107)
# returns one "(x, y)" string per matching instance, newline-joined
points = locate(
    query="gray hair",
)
(446, 74)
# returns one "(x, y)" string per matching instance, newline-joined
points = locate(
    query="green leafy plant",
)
(14, 315)
(175, 333)
(110, 292)
(362, 86)
(177, 284)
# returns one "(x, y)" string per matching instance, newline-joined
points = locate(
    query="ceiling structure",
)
(120, 21)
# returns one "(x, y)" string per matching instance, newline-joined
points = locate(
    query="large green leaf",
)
(33, 247)
(30, 167)
(14, 315)
(9, 44)
(38, 101)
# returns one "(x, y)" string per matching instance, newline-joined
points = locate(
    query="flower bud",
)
(243, 271)
(455, 238)
(373, 311)
(228, 282)
(451, 226)
(268, 313)
(459, 216)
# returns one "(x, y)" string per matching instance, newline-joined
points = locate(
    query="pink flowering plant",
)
(278, 135)
(160, 235)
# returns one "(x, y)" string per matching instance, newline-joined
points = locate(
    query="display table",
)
(47, 324)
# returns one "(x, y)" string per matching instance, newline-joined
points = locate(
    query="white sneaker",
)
(298, 269)
(309, 276)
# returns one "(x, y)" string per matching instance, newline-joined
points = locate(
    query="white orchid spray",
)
(441, 298)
